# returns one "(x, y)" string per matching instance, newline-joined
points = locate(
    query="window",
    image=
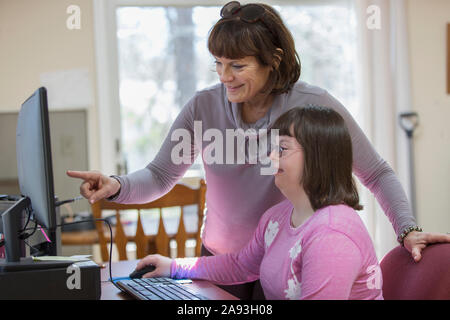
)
(163, 60)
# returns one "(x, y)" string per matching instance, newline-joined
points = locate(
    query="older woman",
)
(258, 69)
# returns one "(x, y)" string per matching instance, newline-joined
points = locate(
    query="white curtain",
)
(384, 89)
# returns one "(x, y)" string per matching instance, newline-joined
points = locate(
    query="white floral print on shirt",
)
(271, 232)
(294, 289)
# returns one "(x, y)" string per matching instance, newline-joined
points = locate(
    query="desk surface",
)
(123, 268)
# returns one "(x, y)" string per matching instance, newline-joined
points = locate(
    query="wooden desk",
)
(124, 268)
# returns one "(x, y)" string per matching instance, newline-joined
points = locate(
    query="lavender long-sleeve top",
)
(237, 193)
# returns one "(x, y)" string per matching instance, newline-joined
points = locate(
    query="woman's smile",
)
(233, 89)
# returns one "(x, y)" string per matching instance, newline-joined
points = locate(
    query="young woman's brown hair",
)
(267, 39)
(327, 147)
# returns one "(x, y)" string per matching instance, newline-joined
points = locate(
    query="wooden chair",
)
(181, 195)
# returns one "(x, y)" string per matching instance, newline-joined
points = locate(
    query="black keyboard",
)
(158, 289)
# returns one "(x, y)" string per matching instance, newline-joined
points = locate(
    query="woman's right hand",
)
(95, 186)
(161, 263)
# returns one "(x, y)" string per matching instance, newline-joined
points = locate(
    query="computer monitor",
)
(34, 166)
(34, 158)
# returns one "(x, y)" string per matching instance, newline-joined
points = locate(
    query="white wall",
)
(34, 40)
(427, 40)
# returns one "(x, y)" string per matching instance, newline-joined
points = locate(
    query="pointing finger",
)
(80, 174)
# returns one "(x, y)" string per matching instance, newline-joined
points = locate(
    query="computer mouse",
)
(137, 274)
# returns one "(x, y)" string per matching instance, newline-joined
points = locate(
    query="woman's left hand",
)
(416, 241)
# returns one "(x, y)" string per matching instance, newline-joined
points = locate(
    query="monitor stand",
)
(26, 264)
(12, 224)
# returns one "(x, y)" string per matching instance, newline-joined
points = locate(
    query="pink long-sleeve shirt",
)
(329, 256)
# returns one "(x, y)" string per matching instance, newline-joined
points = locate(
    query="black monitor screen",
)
(34, 162)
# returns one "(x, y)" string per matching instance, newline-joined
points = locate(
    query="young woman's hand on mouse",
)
(161, 263)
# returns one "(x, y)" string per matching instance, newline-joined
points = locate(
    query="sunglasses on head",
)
(248, 13)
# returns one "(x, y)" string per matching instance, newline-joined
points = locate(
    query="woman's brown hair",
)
(268, 40)
(327, 146)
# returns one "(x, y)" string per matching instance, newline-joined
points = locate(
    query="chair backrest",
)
(428, 279)
(180, 196)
